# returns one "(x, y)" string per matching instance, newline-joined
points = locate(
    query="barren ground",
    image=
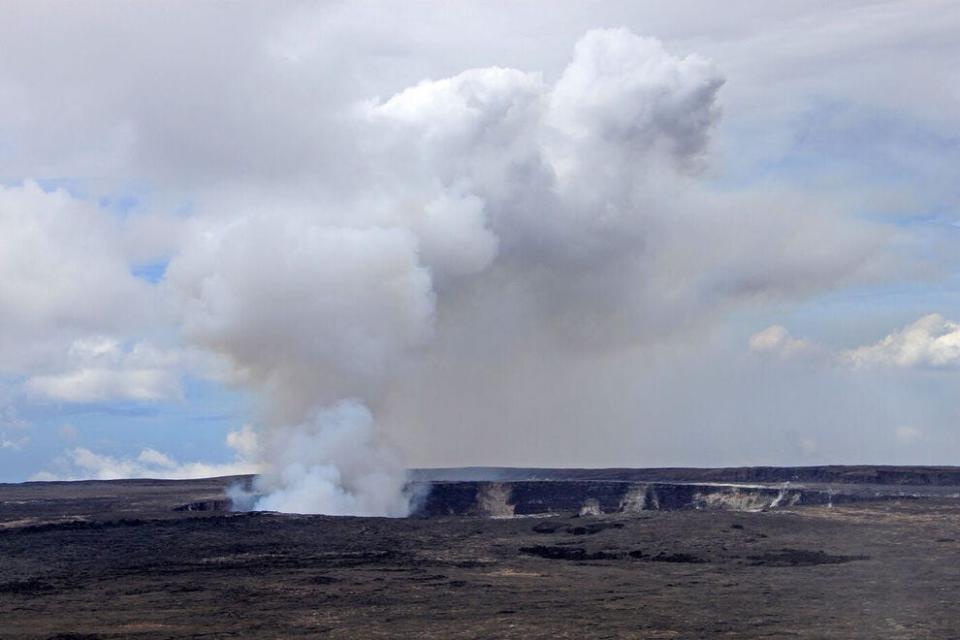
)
(113, 560)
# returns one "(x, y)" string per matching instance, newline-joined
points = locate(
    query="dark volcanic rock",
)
(113, 560)
(30, 587)
(565, 553)
(206, 505)
(800, 558)
(683, 558)
(593, 528)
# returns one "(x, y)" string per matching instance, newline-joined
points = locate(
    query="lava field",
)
(841, 553)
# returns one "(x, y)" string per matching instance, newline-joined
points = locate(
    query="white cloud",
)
(908, 434)
(624, 97)
(63, 276)
(94, 385)
(100, 368)
(14, 443)
(244, 442)
(152, 457)
(930, 342)
(778, 341)
(12, 428)
(248, 92)
(83, 464)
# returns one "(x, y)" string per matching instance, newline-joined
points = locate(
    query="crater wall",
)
(536, 497)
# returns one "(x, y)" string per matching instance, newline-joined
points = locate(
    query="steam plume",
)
(488, 213)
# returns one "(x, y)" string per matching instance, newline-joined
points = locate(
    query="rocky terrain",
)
(521, 557)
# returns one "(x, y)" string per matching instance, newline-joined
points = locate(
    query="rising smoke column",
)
(492, 208)
(312, 316)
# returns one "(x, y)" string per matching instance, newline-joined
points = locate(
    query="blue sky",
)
(750, 258)
(193, 428)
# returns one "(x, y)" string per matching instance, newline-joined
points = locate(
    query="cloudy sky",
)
(525, 233)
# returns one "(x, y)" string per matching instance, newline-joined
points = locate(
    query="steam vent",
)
(506, 492)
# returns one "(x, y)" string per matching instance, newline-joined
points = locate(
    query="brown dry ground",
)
(109, 560)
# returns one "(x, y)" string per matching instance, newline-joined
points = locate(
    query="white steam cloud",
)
(332, 464)
(489, 213)
(320, 310)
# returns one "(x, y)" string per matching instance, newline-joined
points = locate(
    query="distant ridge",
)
(853, 474)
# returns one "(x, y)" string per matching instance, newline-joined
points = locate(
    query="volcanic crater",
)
(496, 553)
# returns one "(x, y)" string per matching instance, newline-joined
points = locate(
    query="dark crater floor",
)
(163, 559)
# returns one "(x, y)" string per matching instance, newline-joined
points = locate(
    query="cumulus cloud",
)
(907, 434)
(92, 385)
(931, 342)
(13, 428)
(64, 276)
(100, 369)
(249, 92)
(244, 442)
(624, 97)
(777, 340)
(81, 463)
(15, 443)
